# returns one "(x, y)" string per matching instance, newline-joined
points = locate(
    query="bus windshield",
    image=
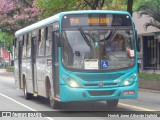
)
(98, 49)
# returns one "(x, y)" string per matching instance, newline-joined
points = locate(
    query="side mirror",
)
(56, 37)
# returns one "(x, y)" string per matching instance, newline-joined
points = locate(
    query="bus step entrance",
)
(35, 94)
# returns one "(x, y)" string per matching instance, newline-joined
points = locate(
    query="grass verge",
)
(10, 69)
(148, 76)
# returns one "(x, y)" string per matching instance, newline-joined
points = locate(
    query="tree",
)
(93, 4)
(50, 7)
(115, 5)
(152, 9)
(5, 39)
(15, 14)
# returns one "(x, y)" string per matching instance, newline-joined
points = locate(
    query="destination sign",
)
(75, 20)
(89, 21)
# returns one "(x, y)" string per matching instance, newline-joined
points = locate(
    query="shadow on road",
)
(79, 106)
(78, 109)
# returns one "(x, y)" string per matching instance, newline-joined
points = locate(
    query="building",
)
(149, 40)
(4, 58)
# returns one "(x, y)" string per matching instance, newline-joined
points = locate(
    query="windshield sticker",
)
(130, 53)
(90, 64)
(104, 64)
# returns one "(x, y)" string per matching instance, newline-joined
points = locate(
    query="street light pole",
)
(9, 51)
(3, 53)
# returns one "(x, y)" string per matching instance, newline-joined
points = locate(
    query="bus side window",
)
(49, 40)
(41, 43)
(46, 33)
(28, 42)
(20, 49)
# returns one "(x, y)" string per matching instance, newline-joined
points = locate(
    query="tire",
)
(53, 103)
(112, 103)
(27, 95)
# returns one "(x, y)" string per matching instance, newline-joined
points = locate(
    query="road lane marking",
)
(23, 105)
(136, 107)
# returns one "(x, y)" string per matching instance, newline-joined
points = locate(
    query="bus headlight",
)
(72, 83)
(129, 81)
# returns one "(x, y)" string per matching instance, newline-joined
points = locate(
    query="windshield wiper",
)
(84, 36)
(111, 36)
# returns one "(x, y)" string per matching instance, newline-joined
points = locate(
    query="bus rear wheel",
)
(112, 103)
(27, 95)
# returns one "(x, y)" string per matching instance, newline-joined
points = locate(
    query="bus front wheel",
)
(53, 103)
(112, 103)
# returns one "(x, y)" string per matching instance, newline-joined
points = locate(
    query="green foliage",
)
(115, 5)
(5, 39)
(50, 7)
(10, 69)
(148, 76)
(137, 3)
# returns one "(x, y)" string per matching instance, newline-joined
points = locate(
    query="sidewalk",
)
(3, 72)
(149, 90)
(151, 71)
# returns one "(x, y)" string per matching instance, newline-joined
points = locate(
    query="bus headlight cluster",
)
(72, 83)
(129, 81)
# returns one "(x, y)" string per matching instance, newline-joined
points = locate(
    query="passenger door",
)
(55, 71)
(33, 63)
(20, 50)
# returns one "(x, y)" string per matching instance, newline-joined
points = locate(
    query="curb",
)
(148, 90)
(4, 72)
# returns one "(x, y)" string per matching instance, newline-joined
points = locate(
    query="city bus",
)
(78, 56)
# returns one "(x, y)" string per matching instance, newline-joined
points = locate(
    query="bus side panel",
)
(44, 71)
(29, 76)
(23, 70)
(16, 74)
(40, 67)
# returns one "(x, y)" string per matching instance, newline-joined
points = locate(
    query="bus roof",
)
(58, 16)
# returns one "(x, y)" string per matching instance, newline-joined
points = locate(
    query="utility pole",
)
(9, 51)
(129, 6)
(4, 54)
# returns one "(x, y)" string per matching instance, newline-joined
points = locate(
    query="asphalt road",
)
(12, 99)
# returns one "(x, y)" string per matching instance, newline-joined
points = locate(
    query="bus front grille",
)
(101, 93)
(105, 85)
(99, 77)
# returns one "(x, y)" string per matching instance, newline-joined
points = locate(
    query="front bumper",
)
(99, 94)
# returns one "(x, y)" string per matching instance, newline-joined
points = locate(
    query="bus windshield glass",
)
(85, 48)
